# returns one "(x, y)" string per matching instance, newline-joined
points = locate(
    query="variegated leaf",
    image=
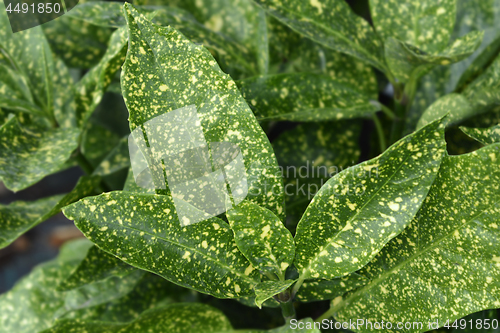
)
(362, 208)
(20, 216)
(304, 97)
(450, 250)
(330, 23)
(262, 238)
(484, 135)
(144, 231)
(158, 53)
(267, 289)
(34, 150)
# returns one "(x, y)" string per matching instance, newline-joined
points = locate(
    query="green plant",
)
(409, 235)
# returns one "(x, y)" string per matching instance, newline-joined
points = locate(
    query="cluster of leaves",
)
(409, 235)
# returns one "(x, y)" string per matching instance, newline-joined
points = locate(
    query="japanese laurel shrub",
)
(405, 229)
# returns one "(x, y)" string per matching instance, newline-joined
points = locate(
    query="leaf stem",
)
(297, 285)
(388, 112)
(380, 133)
(288, 310)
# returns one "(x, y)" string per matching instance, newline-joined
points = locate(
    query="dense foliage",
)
(377, 198)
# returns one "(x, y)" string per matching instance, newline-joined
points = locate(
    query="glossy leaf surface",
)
(450, 249)
(20, 216)
(362, 208)
(304, 97)
(332, 24)
(262, 238)
(157, 53)
(37, 154)
(144, 231)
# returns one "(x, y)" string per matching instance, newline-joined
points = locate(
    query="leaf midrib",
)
(329, 244)
(245, 277)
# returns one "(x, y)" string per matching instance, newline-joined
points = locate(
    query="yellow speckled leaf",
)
(319, 290)
(426, 24)
(34, 150)
(405, 60)
(20, 216)
(262, 238)
(144, 231)
(90, 89)
(171, 318)
(304, 97)
(267, 289)
(455, 105)
(164, 71)
(362, 208)
(446, 263)
(484, 135)
(330, 23)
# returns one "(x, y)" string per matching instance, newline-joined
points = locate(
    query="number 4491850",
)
(40, 8)
(473, 324)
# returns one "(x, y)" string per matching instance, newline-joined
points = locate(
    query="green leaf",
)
(308, 56)
(37, 154)
(32, 304)
(99, 13)
(319, 290)
(290, 52)
(20, 216)
(174, 318)
(78, 43)
(98, 140)
(150, 291)
(96, 266)
(90, 89)
(29, 54)
(362, 208)
(426, 24)
(479, 65)
(484, 135)
(304, 97)
(233, 57)
(330, 23)
(144, 231)
(97, 293)
(116, 160)
(309, 155)
(267, 289)
(157, 53)
(472, 15)
(477, 98)
(240, 21)
(484, 91)
(455, 105)
(262, 238)
(16, 94)
(448, 255)
(406, 60)
(250, 302)
(476, 15)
